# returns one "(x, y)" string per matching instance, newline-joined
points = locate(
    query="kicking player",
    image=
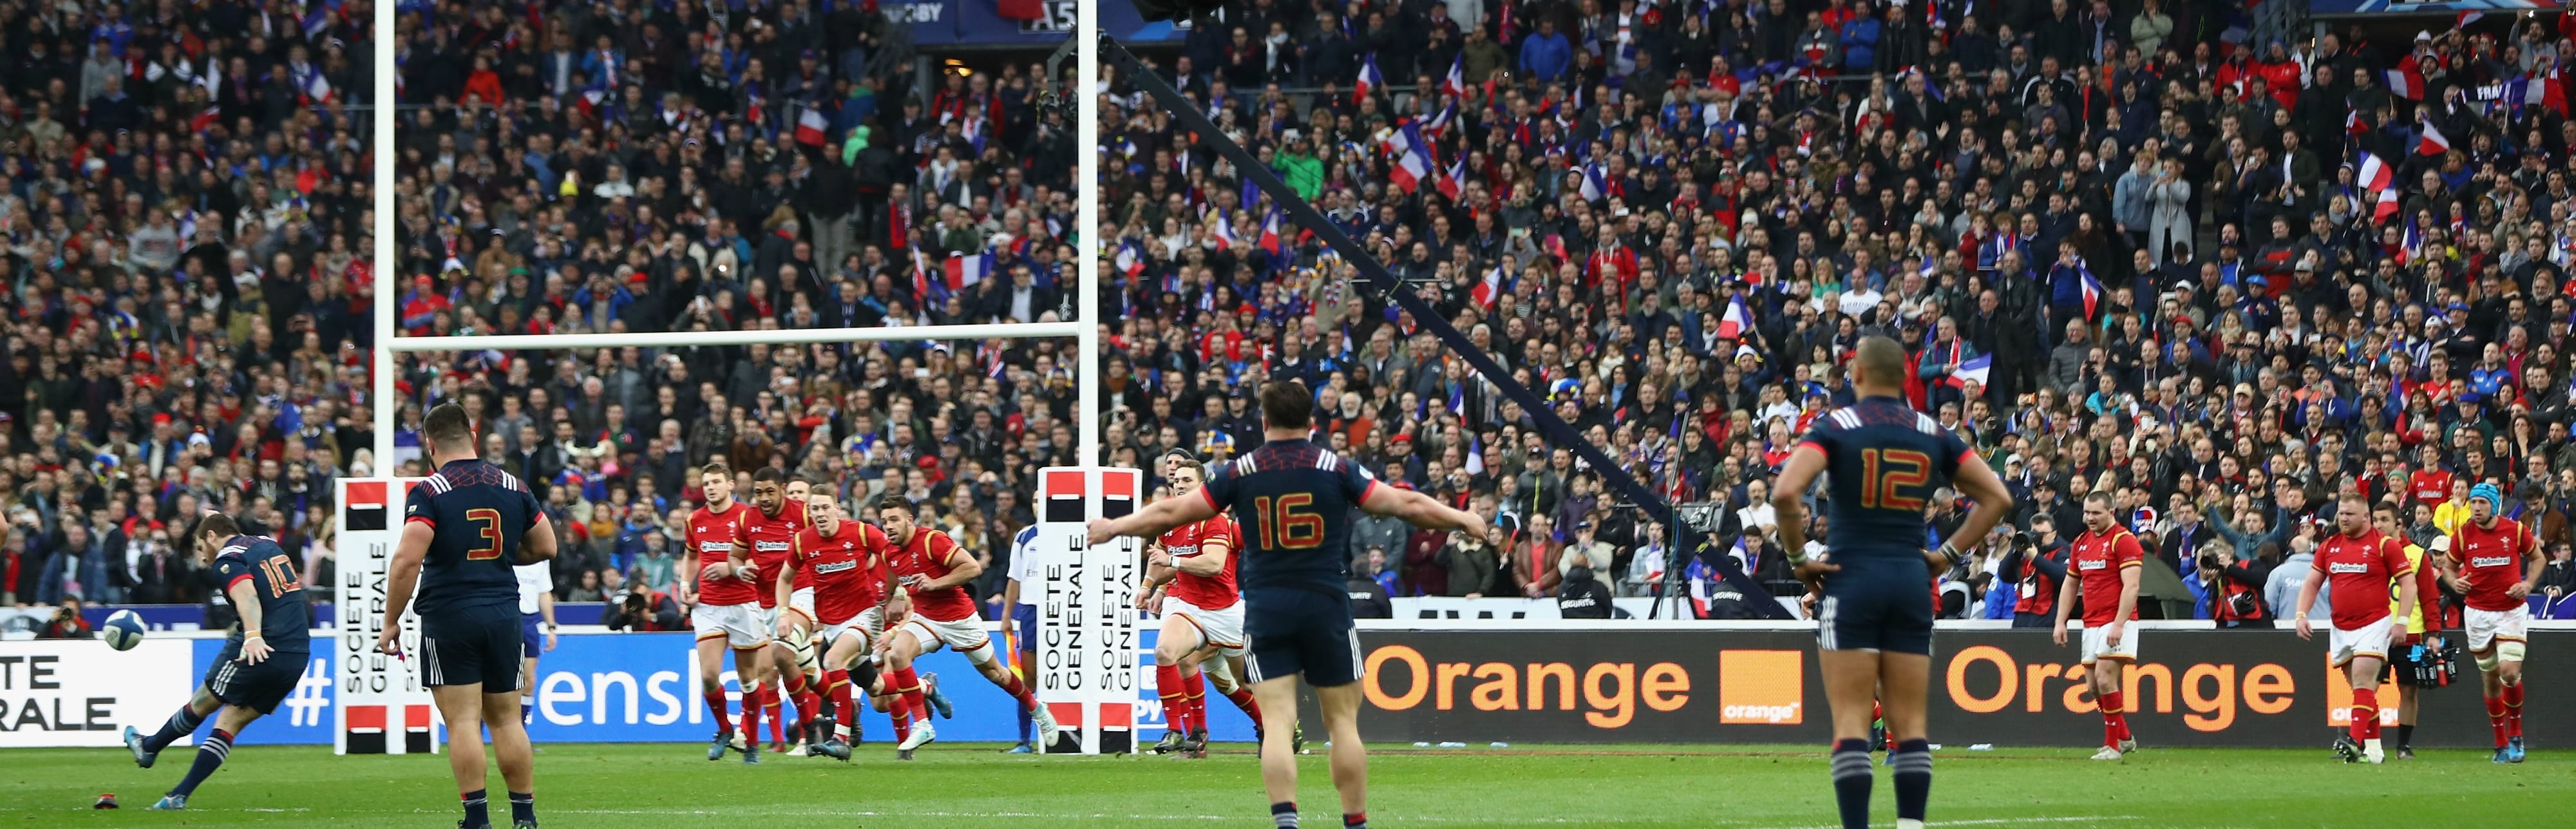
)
(726, 614)
(2492, 564)
(262, 661)
(1874, 617)
(465, 528)
(2363, 566)
(1021, 626)
(761, 540)
(2106, 560)
(844, 565)
(1297, 499)
(1202, 615)
(933, 573)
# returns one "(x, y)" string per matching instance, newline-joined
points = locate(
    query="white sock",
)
(841, 731)
(2370, 745)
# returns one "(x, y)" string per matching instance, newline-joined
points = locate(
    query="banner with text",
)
(80, 692)
(1087, 627)
(2007, 687)
(383, 708)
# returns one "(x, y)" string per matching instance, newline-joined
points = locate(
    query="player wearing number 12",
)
(1874, 633)
(466, 530)
(1293, 501)
(261, 662)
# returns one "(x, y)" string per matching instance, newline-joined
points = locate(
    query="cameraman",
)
(67, 622)
(642, 609)
(2234, 587)
(2036, 564)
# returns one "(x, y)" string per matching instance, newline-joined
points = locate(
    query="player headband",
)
(2487, 491)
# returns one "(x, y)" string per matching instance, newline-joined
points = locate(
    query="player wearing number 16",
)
(465, 531)
(261, 663)
(1292, 501)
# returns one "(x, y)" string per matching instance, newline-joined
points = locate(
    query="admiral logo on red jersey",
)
(2349, 567)
(2491, 561)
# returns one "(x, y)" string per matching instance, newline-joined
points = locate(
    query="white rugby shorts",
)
(1222, 628)
(739, 624)
(2097, 647)
(2370, 640)
(2486, 627)
(965, 636)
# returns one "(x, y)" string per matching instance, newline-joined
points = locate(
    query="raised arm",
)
(1421, 511)
(1155, 519)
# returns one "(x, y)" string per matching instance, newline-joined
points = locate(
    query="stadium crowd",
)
(190, 308)
(2130, 248)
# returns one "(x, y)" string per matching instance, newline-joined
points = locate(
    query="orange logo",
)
(1761, 687)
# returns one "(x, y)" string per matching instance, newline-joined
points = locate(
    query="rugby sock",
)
(842, 713)
(769, 708)
(751, 719)
(1852, 780)
(2115, 719)
(477, 812)
(911, 698)
(1025, 723)
(803, 694)
(1243, 699)
(186, 720)
(1176, 706)
(2365, 714)
(1284, 815)
(1194, 693)
(902, 717)
(2513, 710)
(527, 707)
(1012, 685)
(523, 808)
(1354, 820)
(210, 754)
(2495, 719)
(716, 705)
(1912, 760)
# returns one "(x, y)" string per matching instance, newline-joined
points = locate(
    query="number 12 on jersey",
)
(1886, 476)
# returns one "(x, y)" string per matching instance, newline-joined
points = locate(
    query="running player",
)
(536, 627)
(843, 565)
(2410, 697)
(1202, 615)
(1297, 498)
(933, 573)
(466, 527)
(1874, 631)
(2492, 564)
(2364, 566)
(726, 613)
(262, 661)
(761, 540)
(1021, 626)
(797, 655)
(2106, 560)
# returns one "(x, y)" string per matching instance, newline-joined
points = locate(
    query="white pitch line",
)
(1998, 821)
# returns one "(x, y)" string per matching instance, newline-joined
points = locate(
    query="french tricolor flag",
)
(1972, 370)
(1737, 321)
(2092, 291)
(1130, 259)
(2431, 142)
(1454, 180)
(1439, 121)
(964, 270)
(2374, 173)
(1412, 161)
(1270, 232)
(1370, 80)
(1224, 231)
(1486, 291)
(1594, 186)
(2386, 207)
(1455, 83)
(2404, 81)
(810, 127)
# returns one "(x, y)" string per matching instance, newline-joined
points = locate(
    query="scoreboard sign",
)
(380, 696)
(1087, 627)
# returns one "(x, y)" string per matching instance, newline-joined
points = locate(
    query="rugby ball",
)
(123, 630)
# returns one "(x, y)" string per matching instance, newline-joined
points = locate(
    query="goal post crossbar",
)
(782, 336)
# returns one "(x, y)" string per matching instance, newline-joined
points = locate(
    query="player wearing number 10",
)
(1292, 500)
(261, 662)
(1874, 612)
(466, 529)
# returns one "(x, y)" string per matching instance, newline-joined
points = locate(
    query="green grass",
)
(638, 786)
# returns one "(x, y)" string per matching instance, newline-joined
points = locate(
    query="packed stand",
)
(187, 185)
(580, 168)
(2126, 251)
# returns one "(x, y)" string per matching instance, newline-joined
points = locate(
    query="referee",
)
(465, 530)
(1294, 500)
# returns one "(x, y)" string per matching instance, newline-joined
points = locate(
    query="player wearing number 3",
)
(466, 529)
(1292, 500)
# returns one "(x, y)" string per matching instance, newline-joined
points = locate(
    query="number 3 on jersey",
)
(1287, 527)
(487, 523)
(1887, 475)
